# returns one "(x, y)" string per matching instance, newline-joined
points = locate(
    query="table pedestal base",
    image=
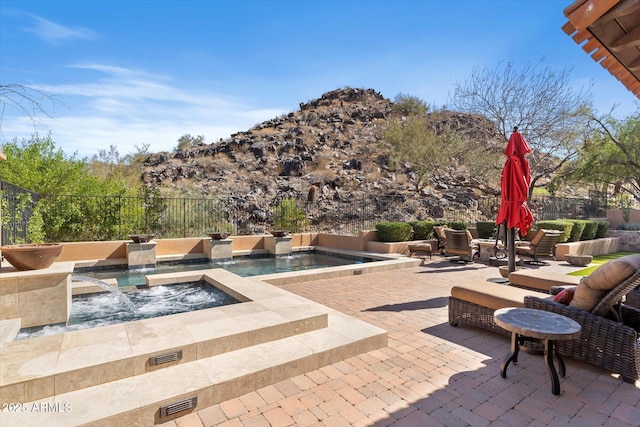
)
(518, 340)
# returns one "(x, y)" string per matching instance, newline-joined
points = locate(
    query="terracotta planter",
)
(32, 256)
(218, 235)
(279, 233)
(141, 238)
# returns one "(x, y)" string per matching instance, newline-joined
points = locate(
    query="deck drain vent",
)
(174, 408)
(165, 358)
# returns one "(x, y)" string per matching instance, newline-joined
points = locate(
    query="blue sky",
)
(129, 73)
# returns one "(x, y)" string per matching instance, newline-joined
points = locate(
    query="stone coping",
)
(85, 358)
(226, 351)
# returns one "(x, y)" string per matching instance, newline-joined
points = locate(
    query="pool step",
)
(155, 397)
(49, 365)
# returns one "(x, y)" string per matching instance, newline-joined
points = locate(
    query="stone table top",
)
(538, 324)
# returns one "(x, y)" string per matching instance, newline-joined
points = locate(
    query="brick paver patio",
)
(431, 374)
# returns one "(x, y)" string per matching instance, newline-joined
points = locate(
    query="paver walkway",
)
(431, 374)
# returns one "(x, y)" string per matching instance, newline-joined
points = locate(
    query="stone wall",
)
(629, 240)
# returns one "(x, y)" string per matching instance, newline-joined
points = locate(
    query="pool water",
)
(107, 308)
(242, 266)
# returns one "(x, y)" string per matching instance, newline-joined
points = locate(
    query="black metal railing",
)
(98, 218)
(16, 207)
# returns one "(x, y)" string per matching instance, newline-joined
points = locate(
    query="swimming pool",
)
(243, 266)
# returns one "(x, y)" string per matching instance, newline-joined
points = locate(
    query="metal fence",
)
(95, 218)
(16, 205)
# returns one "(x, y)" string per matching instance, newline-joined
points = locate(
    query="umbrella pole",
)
(511, 248)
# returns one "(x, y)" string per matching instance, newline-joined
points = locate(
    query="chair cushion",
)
(541, 279)
(593, 287)
(539, 235)
(586, 298)
(493, 295)
(612, 273)
(469, 236)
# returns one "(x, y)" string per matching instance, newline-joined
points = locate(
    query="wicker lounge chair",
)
(606, 341)
(460, 243)
(542, 245)
(610, 330)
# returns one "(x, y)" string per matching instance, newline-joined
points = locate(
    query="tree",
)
(186, 141)
(28, 101)
(426, 152)
(437, 145)
(409, 105)
(38, 165)
(540, 102)
(611, 156)
(110, 165)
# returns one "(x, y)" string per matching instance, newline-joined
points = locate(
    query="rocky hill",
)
(329, 153)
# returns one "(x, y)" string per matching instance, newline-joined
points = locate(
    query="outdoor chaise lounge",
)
(460, 243)
(610, 329)
(542, 245)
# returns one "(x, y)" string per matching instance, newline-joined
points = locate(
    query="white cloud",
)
(54, 33)
(129, 108)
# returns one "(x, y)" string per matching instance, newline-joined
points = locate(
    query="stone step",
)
(140, 399)
(45, 366)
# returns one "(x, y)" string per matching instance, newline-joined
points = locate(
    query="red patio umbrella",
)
(514, 186)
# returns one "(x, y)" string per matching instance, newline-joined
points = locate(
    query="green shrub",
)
(590, 229)
(557, 224)
(288, 216)
(458, 225)
(393, 231)
(422, 229)
(603, 227)
(486, 229)
(576, 231)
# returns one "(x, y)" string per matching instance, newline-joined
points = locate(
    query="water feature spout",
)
(121, 296)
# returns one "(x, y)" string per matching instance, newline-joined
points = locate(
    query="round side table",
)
(528, 324)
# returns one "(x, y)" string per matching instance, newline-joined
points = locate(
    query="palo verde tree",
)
(110, 165)
(186, 141)
(539, 101)
(433, 145)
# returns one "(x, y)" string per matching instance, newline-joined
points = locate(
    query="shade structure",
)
(514, 186)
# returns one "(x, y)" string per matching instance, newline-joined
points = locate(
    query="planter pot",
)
(279, 233)
(33, 256)
(141, 238)
(579, 260)
(218, 235)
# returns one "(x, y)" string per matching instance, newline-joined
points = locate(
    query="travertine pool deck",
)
(430, 374)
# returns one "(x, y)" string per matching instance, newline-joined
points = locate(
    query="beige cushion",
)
(593, 287)
(493, 295)
(612, 273)
(541, 279)
(469, 236)
(586, 298)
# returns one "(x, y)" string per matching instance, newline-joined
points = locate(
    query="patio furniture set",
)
(610, 325)
(462, 245)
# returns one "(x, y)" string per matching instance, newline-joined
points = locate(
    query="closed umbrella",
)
(514, 186)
